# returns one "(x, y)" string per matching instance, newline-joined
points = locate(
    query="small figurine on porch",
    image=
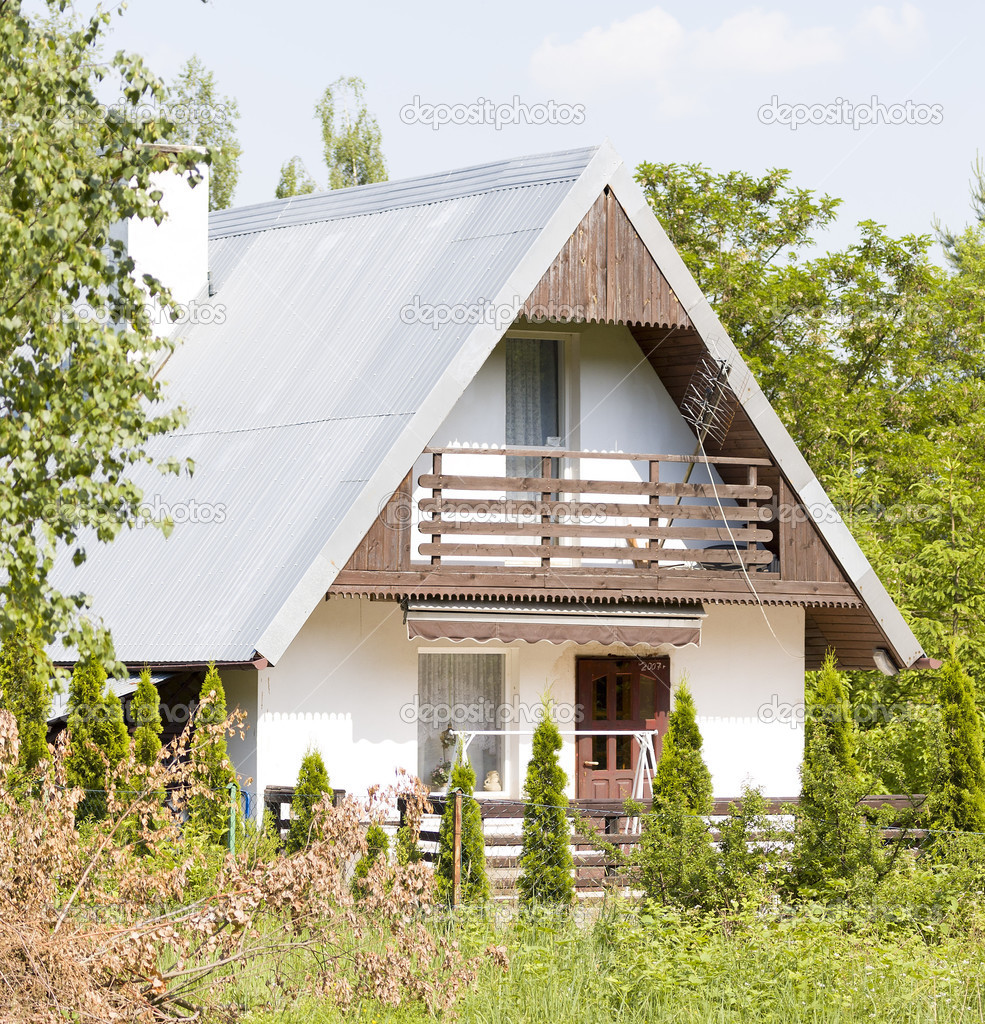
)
(492, 783)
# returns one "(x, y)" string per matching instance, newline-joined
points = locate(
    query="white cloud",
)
(900, 31)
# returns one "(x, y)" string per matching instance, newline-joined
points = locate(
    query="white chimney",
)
(176, 251)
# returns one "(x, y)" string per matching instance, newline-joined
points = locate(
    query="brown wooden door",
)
(618, 694)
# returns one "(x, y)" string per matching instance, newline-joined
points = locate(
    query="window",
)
(533, 402)
(460, 692)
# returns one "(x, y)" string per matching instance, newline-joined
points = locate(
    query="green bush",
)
(145, 710)
(474, 882)
(546, 865)
(750, 848)
(675, 862)
(25, 691)
(311, 787)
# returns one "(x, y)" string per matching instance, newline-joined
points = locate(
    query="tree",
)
(351, 140)
(97, 735)
(294, 180)
(79, 394)
(212, 771)
(145, 709)
(682, 778)
(546, 865)
(312, 786)
(24, 691)
(474, 883)
(958, 804)
(830, 717)
(205, 118)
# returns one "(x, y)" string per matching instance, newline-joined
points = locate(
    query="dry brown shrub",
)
(102, 921)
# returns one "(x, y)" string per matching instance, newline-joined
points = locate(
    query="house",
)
(446, 436)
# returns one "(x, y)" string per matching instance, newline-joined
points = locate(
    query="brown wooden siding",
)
(604, 272)
(803, 553)
(386, 546)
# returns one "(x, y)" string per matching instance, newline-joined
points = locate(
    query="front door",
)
(618, 696)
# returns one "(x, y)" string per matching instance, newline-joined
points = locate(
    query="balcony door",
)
(618, 695)
(533, 400)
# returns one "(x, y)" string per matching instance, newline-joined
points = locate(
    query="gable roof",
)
(313, 395)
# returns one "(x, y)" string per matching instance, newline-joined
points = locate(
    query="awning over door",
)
(557, 622)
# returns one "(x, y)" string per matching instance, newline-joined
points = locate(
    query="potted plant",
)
(440, 775)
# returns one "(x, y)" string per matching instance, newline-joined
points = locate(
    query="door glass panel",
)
(600, 753)
(600, 700)
(624, 753)
(624, 696)
(648, 697)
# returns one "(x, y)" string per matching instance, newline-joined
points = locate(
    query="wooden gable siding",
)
(386, 546)
(803, 553)
(604, 272)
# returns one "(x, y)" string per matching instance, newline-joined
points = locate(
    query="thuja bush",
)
(88, 921)
(25, 690)
(474, 883)
(546, 865)
(377, 846)
(312, 787)
(682, 778)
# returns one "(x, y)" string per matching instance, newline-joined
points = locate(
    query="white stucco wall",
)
(343, 683)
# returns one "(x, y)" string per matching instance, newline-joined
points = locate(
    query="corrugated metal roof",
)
(297, 397)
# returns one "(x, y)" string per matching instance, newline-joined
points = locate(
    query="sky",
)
(720, 83)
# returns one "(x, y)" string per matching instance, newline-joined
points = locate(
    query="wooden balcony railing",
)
(553, 516)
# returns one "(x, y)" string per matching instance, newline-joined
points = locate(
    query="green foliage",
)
(407, 848)
(958, 802)
(545, 863)
(312, 786)
(79, 393)
(750, 851)
(829, 717)
(474, 882)
(212, 771)
(351, 140)
(682, 778)
(25, 692)
(294, 180)
(205, 118)
(145, 709)
(97, 734)
(377, 845)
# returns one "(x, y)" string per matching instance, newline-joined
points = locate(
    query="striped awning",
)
(557, 622)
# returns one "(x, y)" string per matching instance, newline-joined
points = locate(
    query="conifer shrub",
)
(312, 786)
(25, 691)
(750, 849)
(682, 779)
(97, 734)
(546, 864)
(377, 846)
(837, 852)
(211, 770)
(675, 862)
(145, 710)
(958, 801)
(474, 883)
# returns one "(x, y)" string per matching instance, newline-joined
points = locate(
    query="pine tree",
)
(97, 734)
(145, 709)
(311, 786)
(212, 771)
(958, 805)
(682, 778)
(546, 864)
(25, 692)
(474, 883)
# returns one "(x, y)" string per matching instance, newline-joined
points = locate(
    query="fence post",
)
(456, 850)
(232, 817)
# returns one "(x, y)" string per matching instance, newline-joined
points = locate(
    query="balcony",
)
(552, 508)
